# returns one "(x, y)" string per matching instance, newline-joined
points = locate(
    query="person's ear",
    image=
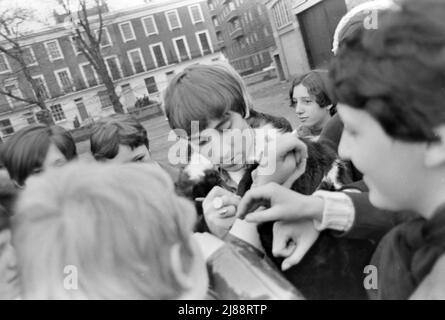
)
(435, 152)
(184, 278)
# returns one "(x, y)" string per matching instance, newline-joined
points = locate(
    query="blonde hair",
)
(115, 224)
(203, 93)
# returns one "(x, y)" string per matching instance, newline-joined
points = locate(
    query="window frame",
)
(187, 48)
(59, 82)
(119, 67)
(62, 57)
(144, 67)
(207, 33)
(42, 77)
(53, 115)
(190, 8)
(151, 46)
(168, 20)
(84, 76)
(122, 31)
(152, 17)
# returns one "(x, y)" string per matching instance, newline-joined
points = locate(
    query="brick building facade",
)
(143, 48)
(244, 33)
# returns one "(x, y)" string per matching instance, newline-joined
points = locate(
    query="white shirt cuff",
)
(338, 211)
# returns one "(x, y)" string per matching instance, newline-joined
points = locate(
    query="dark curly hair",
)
(396, 72)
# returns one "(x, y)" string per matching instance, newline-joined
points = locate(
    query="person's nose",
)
(299, 109)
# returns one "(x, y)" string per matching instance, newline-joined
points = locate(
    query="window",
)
(57, 112)
(104, 99)
(76, 44)
(215, 22)
(280, 13)
(150, 84)
(196, 13)
(170, 75)
(81, 108)
(6, 127)
(127, 31)
(4, 65)
(181, 48)
(173, 20)
(266, 32)
(89, 75)
(128, 95)
(255, 60)
(260, 10)
(105, 41)
(64, 80)
(158, 55)
(12, 88)
(29, 117)
(149, 24)
(255, 36)
(29, 57)
(53, 50)
(114, 68)
(136, 60)
(204, 43)
(41, 85)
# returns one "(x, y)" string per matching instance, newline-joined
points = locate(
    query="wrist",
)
(314, 208)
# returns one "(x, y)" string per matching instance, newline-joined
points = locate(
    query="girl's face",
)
(227, 142)
(308, 111)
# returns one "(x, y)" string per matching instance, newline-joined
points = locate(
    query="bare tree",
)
(88, 37)
(11, 21)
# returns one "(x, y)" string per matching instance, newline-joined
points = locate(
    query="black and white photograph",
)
(225, 153)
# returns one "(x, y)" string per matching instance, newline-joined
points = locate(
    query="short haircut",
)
(202, 93)
(118, 129)
(26, 150)
(259, 119)
(115, 224)
(396, 73)
(318, 85)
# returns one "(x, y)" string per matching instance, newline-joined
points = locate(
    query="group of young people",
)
(359, 184)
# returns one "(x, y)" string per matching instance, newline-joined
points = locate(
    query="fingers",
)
(283, 245)
(290, 143)
(307, 237)
(260, 216)
(254, 198)
(230, 200)
(227, 212)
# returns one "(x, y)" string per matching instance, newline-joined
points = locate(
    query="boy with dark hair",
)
(120, 138)
(35, 148)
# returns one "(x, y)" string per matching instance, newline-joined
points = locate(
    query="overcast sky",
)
(43, 8)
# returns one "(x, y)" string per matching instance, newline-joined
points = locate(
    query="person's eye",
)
(226, 125)
(293, 102)
(138, 158)
(307, 101)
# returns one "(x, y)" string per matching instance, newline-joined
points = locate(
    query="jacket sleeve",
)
(370, 222)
